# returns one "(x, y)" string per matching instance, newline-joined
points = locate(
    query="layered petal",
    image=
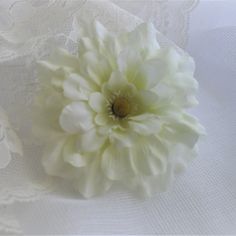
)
(53, 161)
(145, 124)
(117, 163)
(76, 117)
(95, 68)
(71, 155)
(143, 38)
(92, 181)
(77, 88)
(97, 102)
(118, 84)
(90, 141)
(185, 130)
(150, 157)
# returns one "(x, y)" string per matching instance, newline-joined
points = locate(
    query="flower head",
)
(116, 111)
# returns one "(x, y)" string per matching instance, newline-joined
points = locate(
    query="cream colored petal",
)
(71, 155)
(187, 65)
(150, 73)
(96, 38)
(61, 58)
(116, 163)
(51, 75)
(76, 160)
(53, 161)
(186, 130)
(92, 181)
(148, 101)
(97, 102)
(94, 29)
(76, 117)
(129, 61)
(77, 88)
(95, 67)
(83, 34)
(177, 62)
(150, 157)
(143, 38)
(148, 186)
(86, 44)
(90, 141)
(145, 124)
(102, 119)
(123, 138)
(117, 83)
(184, 87)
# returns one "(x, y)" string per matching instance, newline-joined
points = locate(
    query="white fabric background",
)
(203, 199)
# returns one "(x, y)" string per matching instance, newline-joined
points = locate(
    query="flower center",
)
(121, 107)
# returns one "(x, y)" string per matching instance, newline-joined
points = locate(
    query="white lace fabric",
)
(29, 30)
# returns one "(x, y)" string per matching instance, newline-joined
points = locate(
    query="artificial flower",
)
(115, 112)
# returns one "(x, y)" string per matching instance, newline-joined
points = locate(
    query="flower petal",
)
(76, 117)
(143, 38)
(145, 124)
(150, 157)
(54, 163)
(92, 180)
(97, 102)
(95, 67)
(71, 154)
(117, 83)
(102, 119)
(148, 101)
(147, 186)
(116, 163)
(186, 130)
(90, 141)
(77, 88)
(151, 72)
(61, 59)
(129, 61)
(90, 36)
(185, 87)
(123, 139)
(93, 30)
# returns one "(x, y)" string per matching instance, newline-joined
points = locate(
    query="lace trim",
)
(170, 17)
(9, 225)
(30, 193)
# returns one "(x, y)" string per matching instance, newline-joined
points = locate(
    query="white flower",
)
(9, 142)
(116, 111)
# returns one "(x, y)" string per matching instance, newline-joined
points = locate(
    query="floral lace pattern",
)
(9, 224)
(169, 17)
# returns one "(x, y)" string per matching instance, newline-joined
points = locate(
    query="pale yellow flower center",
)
(121, 107)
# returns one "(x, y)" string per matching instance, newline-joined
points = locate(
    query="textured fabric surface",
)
(203, 199)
